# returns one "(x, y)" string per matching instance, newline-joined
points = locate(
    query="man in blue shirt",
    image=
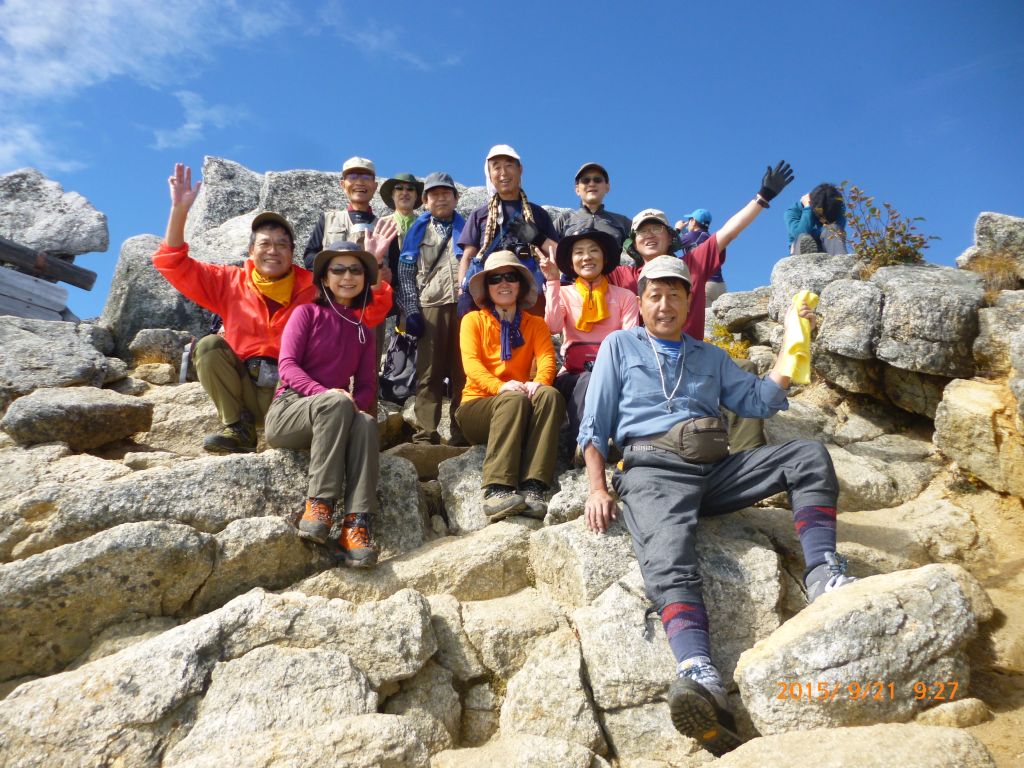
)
(657, 393)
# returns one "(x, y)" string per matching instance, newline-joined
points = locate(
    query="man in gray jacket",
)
(592, 184)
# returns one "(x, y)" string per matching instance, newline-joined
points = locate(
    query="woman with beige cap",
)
(517, 417)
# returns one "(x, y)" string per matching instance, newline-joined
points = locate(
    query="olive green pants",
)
(226, 380)
(521, 434)
(437, 358)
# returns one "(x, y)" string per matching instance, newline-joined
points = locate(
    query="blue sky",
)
(920, 103)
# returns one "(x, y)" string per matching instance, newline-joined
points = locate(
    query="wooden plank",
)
(9, 306)
(42, 263)
(33, 290)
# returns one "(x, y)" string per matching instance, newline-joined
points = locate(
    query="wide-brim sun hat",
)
(499, 260)
(345, 248)
(387, 189)
(609, 249)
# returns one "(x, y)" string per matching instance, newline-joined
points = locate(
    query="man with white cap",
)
(592, 184)
(508, 222)
(656, 391)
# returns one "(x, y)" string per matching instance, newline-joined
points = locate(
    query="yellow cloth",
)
(795, 354)
(279, 290)
(595, 303)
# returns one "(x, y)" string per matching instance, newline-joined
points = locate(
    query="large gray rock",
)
(24, 468)
(38, 213)
(133, 706)
(54, 602)
(547, 696)
(140, 297)
(505, 629)
(884, 633)
(929, 318)
(520, 751)
(811, 273)
(738, 309)
(1016, 381)
(863, 377)
(460, 479)
(996, 326)
(574, 565)
(431, 705)
(301, 196)
(46, 353)
(644, 737)
(851, 312)
(182, 416)
(915, 392)
(228, 190)
(82, 417)
(159, 345)
(869, 483)
(454, 650)
(874, 746)
(996, 234)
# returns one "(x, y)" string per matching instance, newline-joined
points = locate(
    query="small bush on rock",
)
(722, 337)
(998, 270)
(881, 236)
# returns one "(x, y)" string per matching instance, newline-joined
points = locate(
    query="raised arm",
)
(774, 181)
(183, 195)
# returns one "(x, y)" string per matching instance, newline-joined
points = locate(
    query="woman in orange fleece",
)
(516, 417)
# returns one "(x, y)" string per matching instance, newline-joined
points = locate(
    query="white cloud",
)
(25, 144)
(376, 39)
(198, 116)
(56, 47)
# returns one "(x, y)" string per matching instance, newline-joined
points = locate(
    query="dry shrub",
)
(998, 271)
(723, 338)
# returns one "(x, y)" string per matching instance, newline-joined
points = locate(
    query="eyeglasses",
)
(651, 229)
(340, 269)
(508, 277)
(359, 177)
(404, 188)
(591, 180)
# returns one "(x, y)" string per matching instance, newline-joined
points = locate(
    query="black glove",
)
(415, 325)
(526, 232)
(775, 181)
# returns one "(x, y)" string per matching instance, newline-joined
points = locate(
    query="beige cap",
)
(358, 164)
(650, 214)
(662, 267)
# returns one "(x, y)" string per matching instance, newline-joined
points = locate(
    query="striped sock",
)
(816, 527)
(686, 625)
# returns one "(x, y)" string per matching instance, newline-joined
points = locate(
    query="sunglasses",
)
(591, 180)
(508, 277)
(359, 176)
(404, 188)
(340, 269)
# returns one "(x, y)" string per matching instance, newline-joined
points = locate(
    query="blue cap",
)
(701, 215)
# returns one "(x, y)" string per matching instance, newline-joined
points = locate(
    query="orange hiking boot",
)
(354, 546)
(315, 524)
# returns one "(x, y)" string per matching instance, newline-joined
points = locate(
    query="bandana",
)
(595, 303)
(279, 290)
(511, 336)
(403, 221)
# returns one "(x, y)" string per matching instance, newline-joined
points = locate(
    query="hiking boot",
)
(828, 576)
(533, 492)
(500, 501)
(696, 700)
(315, 524)
(239, 437)
(806, 244)
(354, 548)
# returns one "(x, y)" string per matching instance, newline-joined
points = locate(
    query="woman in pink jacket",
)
(584, 312)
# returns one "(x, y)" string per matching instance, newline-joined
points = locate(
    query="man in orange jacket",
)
(239, 368)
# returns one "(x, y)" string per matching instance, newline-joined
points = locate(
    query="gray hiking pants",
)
(663, 495)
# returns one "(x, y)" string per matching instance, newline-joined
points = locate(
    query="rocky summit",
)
(158, 609)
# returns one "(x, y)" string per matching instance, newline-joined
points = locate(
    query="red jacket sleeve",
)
(377, 310)
(196, 280)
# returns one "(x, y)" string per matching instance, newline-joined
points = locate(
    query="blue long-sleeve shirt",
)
(625, 398)
(802, 221)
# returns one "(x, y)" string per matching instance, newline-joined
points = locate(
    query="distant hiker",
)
(508, 222)
(517, 417)
(656, 391)
(403, 194)
(585, 311)
(239, 368)
(817, 222)
(359, 182)
(326, 401)
(693, 230)
(592, 184)
(428, 294)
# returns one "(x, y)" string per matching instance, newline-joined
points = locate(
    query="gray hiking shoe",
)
(533, 492)
(828, 576)
(696, 700)
(806, 244)
(500, 501)
(239, 437)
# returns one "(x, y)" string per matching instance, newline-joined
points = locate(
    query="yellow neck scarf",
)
(279, 290)
(595, 303)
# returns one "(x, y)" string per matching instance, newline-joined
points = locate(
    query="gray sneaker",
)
(500, 501)
(806, 244)
(533, 492)
(699, 708)
(828, 576)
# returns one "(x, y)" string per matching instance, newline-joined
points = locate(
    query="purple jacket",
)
(321, 350)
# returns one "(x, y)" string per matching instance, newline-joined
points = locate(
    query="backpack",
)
(398, 377)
